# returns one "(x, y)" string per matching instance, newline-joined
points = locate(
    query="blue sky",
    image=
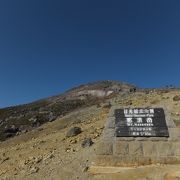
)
(47, 47)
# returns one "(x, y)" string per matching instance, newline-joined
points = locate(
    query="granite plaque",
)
(141, 122)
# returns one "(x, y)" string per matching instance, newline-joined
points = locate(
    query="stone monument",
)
(136, 137)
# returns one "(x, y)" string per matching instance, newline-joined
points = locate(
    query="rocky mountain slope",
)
(20, 119)
(63, 147)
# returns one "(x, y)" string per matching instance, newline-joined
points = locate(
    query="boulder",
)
(11, 130)
(51, 117)
(73, 132)
(87, 143)
(33, 170)
(176, 98)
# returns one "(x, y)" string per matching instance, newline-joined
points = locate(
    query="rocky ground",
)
(47, 152)
(19, 119)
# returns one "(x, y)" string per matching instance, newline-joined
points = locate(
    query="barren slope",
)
(46, 153)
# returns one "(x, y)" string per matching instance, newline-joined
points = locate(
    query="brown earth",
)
(46, 153)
